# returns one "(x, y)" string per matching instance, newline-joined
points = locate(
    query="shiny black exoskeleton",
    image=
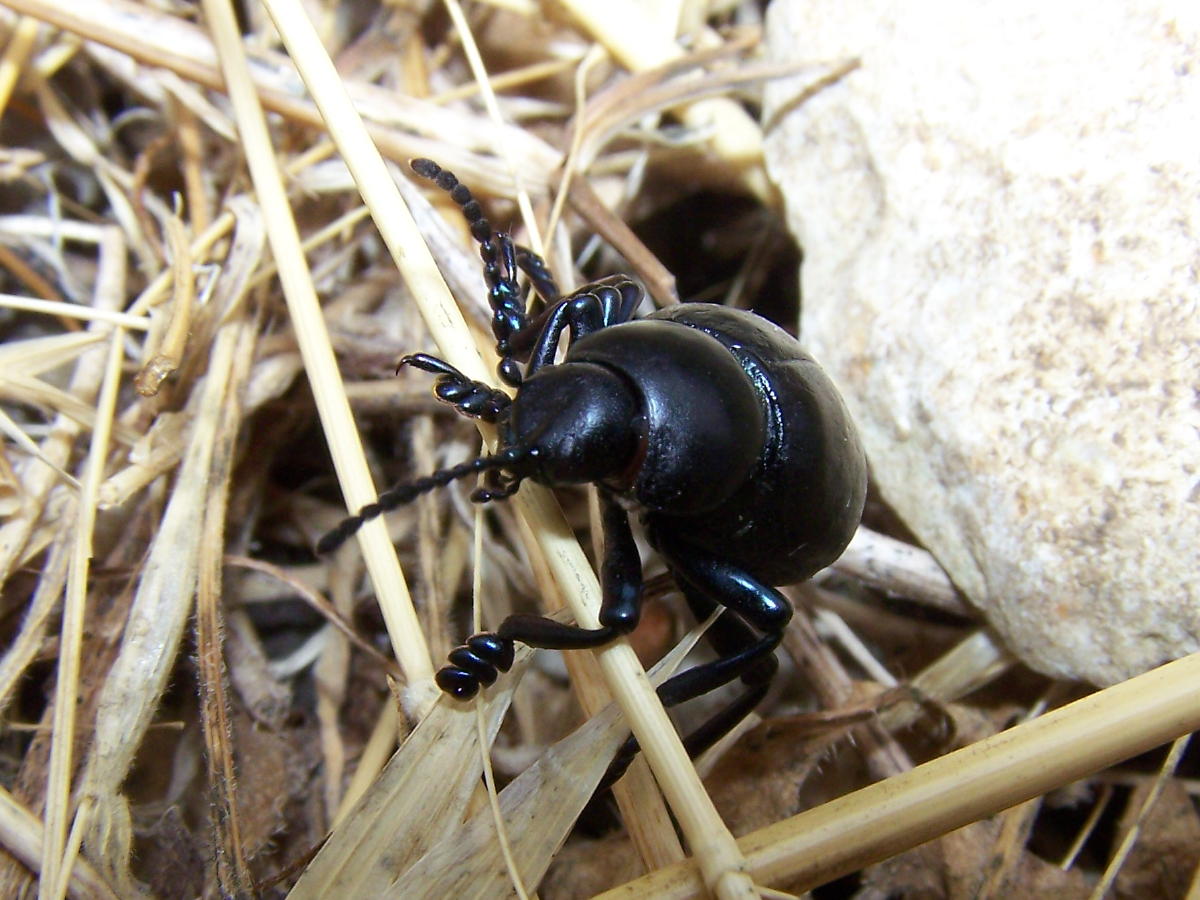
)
(710, 423)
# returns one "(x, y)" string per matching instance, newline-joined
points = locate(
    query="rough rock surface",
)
(1000, 212)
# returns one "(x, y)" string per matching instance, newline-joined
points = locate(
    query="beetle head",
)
(577, 422)
(569, 424)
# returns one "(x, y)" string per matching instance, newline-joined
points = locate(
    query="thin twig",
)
(973, 783)
(312, 337)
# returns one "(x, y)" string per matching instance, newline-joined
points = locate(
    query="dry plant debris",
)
(194, 704)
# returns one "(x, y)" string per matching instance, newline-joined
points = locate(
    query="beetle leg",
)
(495, 487)
(703, 737)
(580, 313)
(469, 398)
(539, 275)
(504, 297)
(621, 587)
(707, 582)
(629, 295)
(600, 304)
(759, 604)
(740, 653)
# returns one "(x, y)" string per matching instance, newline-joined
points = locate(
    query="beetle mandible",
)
(730, 443)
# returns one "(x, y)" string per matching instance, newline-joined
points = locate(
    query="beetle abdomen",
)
(795, 513)
(704, 428)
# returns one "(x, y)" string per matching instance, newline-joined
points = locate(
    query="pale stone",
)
(1000, 213)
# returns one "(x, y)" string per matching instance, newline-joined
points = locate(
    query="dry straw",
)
(183, 261)
(712, 843)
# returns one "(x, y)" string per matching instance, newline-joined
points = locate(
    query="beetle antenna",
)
(499, 257)
(481, 228)
(406, 493)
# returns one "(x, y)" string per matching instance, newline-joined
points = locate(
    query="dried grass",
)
(195, 307)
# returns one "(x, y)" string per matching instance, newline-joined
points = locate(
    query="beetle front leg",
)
(470, 398)
(539, 275)
(601, 304)
(508, 305)
(620, 609)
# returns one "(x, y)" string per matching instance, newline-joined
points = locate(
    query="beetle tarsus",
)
(475, 664)
(539, 276)
(471, 398)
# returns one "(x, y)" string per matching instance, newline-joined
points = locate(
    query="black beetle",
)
(711, 423)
